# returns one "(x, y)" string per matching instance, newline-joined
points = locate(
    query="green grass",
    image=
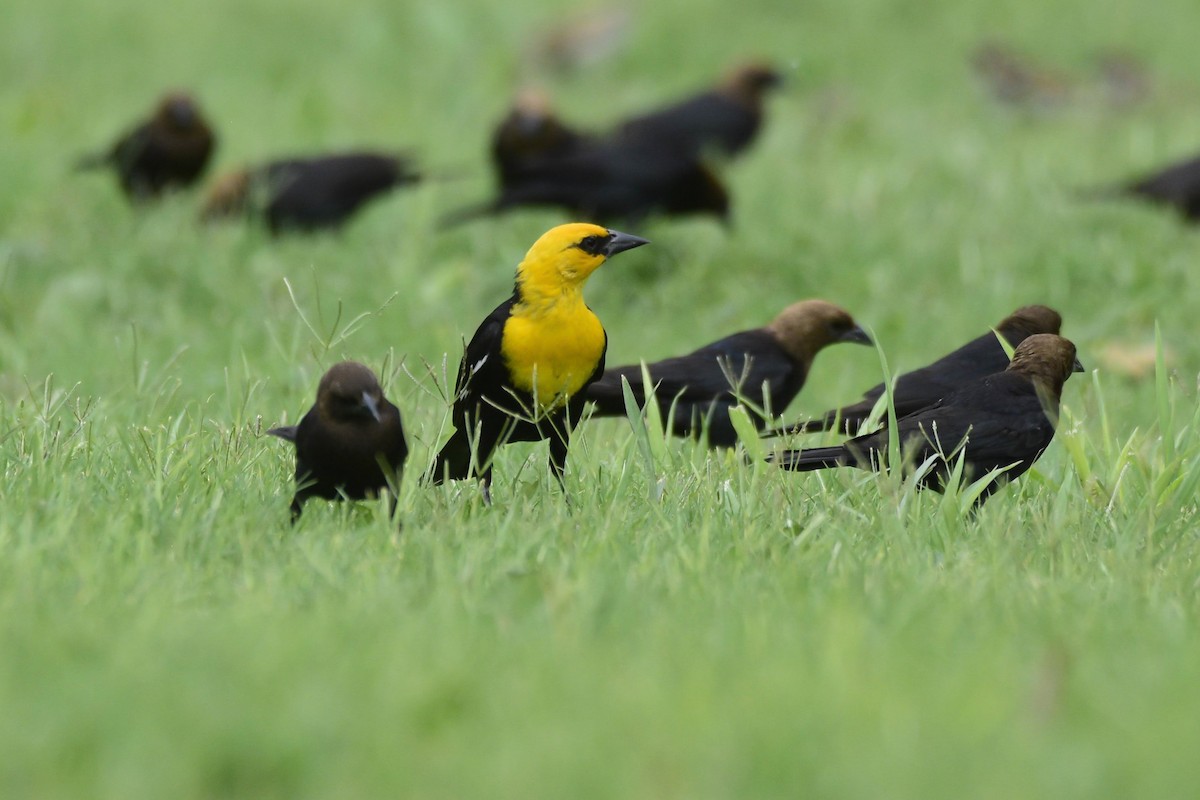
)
(691, 626)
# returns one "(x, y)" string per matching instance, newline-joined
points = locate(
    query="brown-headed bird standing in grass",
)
(923, 387)
(765, 365)
(1006, 419)
(726, 118)
(309, 193)
(350, 444)
(524, 370)
(169, 150)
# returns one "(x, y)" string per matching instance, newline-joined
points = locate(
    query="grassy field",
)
(692, 627)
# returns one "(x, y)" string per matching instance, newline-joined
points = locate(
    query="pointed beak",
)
(1077, 366)
(371, 406)
(620, 242)
(856, 335)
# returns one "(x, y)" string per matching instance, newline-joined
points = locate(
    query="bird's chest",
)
(552, 354)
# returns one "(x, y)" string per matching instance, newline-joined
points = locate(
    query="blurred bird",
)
(579, 40)
(167, 151)
(350, 444)
(1176, 185)
(1006, 419)
(613, 178)
(767, 365)
(1125, 78)
(1012, 79)
(311, 193)
(923, 387)
(531, 131)
(726, 118)
(524, 370)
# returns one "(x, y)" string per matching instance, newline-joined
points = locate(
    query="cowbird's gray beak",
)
(371, 406)
(1077, 366)
(620, 242)
(856, 335)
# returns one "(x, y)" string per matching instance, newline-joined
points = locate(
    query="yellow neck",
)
(552, 343)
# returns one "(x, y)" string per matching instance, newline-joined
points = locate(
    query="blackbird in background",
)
(923, 387)
(766, 365)
(524, 370)
(1176, 185)
(726, 118)
(169, 150)
(615, 178)
(310, 193)
(529, 132)
(350, 444)
(1006, 419)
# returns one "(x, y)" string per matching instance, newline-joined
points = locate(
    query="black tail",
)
(812, 458)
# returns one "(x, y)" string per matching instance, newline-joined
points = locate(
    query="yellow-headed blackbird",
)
(524, 370)
(725, 118)
(309, 193)
(531, 131)
(350, 443)
(925, 386)
(765, 365)
(169, 150)
(1006, 419)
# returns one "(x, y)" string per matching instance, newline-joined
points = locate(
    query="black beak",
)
(371, 406)
(620, 242)
(1077, 366)
(856, 335)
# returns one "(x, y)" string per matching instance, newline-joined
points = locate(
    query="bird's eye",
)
(592, 245)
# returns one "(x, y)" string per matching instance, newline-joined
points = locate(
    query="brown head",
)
(349, 392)
(1047, 359)
(1027, 321)
(803, 329)
(748, 83)
(227, 196)
(178, 112)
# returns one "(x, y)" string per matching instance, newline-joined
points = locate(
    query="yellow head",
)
(562, 259)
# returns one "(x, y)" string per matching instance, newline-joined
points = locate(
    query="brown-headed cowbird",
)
(766, 365)
(524, 370)
(610, 178)
(923, 387)
(350, 444)
(1011, 78)
(169, 150)
(1006, 419)
(725, 118)
(531, 131)
(310, 193)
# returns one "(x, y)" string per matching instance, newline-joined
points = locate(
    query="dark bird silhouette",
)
(1006, 419)
(524, 370)
(311, 193)
(530, 132)
(613, 178)
(350, 444)
(169, 150)
(766, 365)
(1176, 185)
(923, 387)
(726, 118)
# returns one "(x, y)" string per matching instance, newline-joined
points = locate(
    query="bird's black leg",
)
(560, 439)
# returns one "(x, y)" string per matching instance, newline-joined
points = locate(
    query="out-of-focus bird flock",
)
(535, 367)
